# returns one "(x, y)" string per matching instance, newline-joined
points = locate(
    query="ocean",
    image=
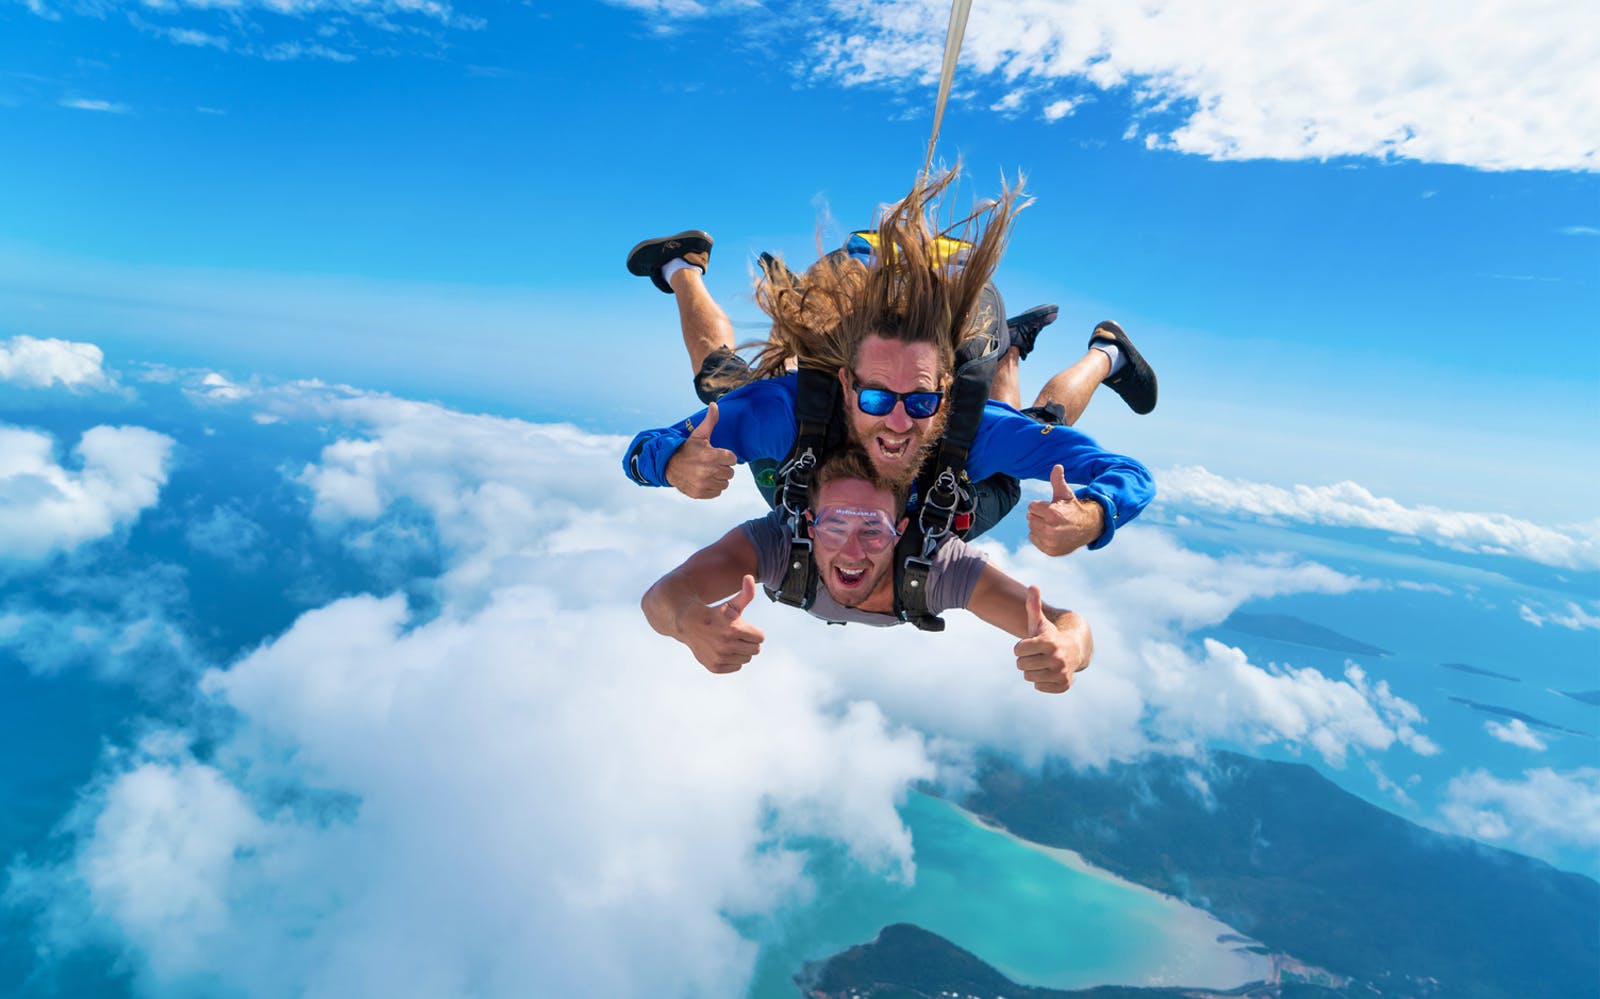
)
(1039, 916)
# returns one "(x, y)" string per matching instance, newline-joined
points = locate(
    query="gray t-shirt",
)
(956, 569)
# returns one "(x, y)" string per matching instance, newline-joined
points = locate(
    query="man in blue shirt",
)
(889, 326)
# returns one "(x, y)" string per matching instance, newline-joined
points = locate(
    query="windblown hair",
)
(914, 291)
(849, 461)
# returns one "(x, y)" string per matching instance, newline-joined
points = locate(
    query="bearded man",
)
(889, 327)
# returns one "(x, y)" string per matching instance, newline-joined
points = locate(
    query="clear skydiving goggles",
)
(833, 527)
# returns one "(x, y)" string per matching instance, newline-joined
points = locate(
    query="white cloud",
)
(1516, 733)
(1545, 808)
(673, 9)
(86, 104)
(1500, 89)
(1057, 110)
(1573, 618)
(358, 27)
(218, 388)
(196, 39)
(292, 51)
(1388, 786)
(498, 790)
(47, 507)
(1346, 504)
(34, 363)
(1224, 695)
(525, 800)
(1580, 230)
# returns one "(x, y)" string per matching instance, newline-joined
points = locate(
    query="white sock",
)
(1112, 351)
(675, 265)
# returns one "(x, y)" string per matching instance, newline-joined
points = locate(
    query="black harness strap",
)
(945, 490)
(815, 401)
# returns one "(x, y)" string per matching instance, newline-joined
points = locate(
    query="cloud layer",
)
(1346, 504)
(485, 790)
(1498, 87)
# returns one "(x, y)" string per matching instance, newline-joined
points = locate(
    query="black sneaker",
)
(1026, 327)
(776, 271)
(691, 245)
(1136, 382)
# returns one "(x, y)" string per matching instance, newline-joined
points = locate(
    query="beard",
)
(902, 472)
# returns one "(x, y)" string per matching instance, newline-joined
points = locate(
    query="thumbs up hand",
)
(1058, 645)
(719, 636)
(698, 469)
(1065, 523)
(1035, 609)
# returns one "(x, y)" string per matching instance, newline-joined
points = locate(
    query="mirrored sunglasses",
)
(880, 402)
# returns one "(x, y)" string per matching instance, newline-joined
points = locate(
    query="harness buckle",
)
(939, 509)
(794, 478)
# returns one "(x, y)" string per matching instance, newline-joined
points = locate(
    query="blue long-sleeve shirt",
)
(757, 421)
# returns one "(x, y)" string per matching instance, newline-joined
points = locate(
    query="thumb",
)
(739, 601)
(703, 431)
(1035, 610)
(1058, 484)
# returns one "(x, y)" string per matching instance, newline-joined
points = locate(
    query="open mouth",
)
(849, 577)
(893, 448)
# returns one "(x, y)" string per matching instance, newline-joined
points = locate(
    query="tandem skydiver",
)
(853, 528)
(889, 329)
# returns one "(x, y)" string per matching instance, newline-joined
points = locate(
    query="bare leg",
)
(1073, 387)
(705, 325)
(1006, 386)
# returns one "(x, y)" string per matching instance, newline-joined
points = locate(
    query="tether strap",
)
(959, 10)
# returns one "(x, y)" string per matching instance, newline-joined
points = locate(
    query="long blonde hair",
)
(914, 291)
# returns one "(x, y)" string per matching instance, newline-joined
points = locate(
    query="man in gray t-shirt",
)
(956, 569)
(853, 533)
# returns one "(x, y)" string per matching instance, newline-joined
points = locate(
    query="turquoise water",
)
(1035, 917)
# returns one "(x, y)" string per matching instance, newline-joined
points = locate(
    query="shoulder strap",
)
(815, 401)
(943, 485)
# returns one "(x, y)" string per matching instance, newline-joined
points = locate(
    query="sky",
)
(1352, 218)
(317, 357)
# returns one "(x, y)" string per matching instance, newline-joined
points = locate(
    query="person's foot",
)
(691, 246)
(1135, 382)
(1026, 327)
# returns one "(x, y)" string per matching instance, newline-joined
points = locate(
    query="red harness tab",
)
(962, 522)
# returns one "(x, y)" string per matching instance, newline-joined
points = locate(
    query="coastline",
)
(1195, 930)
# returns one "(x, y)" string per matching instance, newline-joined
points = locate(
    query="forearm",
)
(673, 601)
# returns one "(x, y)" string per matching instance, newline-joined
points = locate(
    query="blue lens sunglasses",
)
(880, 402)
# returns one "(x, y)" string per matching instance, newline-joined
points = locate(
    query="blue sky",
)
(1361, 247)
(431, 198)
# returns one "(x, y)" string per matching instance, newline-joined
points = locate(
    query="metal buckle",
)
(943, 485)
(794, 495)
